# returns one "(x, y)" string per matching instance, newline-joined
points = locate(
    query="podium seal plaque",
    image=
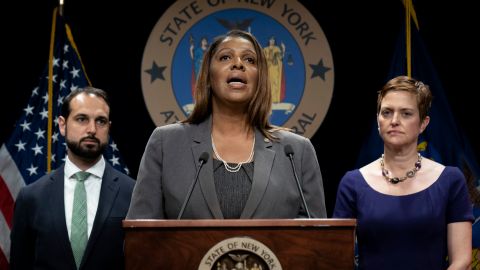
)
(240, 253)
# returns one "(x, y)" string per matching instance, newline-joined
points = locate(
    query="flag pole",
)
(50, 90)
(409, 15)
(407, 39)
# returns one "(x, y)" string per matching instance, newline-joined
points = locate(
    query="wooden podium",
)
(247, 244)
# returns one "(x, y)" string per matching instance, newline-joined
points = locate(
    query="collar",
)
(96, 170)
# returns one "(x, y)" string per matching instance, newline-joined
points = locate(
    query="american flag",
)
(24, 157)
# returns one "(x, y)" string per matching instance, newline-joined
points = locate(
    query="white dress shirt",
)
(93, 185)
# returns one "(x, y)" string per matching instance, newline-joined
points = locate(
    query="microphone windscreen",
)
(204, 157)
(288, 150)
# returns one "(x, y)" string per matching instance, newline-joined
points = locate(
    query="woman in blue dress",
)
(412, 212)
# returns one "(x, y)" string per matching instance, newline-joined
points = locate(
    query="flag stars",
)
(56, 62)
(62, 84)
(127, 171)
(25, 125)
(73, 87)
(40, 134)
(29, 109)
(114, 146)
(56, 121)
(54, 78)
(55, 137)
(65, 64)
(35, 91)
(66, 48)
(45, 98)
(32, 170)
(75, 73)
(44, 113)
(114, 160)
(37, 149)
(20, 146)
(59, 100)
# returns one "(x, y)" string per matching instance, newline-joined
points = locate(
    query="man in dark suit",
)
(66, 222)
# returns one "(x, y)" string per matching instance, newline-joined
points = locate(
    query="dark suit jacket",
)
(39, 237)
(170, 160)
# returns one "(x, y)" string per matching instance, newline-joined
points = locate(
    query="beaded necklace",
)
(409, 174)
(237, 167)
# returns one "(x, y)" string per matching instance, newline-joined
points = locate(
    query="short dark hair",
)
(87, 90)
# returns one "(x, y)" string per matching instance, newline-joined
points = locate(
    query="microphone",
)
(289, 152)
(201, 161)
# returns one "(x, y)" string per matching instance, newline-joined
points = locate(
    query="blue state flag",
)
(24, 157)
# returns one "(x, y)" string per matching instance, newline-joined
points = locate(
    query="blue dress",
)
(404, 232)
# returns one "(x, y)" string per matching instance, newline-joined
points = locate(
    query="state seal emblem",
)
(300, 62)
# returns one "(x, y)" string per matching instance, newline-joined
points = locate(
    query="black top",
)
(233, 188)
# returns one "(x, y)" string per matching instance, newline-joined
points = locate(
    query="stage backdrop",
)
(112, 37)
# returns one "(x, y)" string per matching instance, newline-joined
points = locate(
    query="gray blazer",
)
(170, 161)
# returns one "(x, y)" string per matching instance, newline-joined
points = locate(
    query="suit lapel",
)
(57, 210)
(108, 193)
(263, 161)
(202, 143)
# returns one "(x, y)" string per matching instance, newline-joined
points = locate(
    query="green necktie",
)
(79, 228)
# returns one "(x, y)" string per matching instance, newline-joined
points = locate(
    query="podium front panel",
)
(251, 244)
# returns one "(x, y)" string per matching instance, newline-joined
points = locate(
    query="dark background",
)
(111, 36)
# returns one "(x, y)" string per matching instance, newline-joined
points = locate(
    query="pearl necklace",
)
(409, 174)
(237, 167)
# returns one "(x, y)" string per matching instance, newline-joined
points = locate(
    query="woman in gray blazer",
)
(226, 160)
